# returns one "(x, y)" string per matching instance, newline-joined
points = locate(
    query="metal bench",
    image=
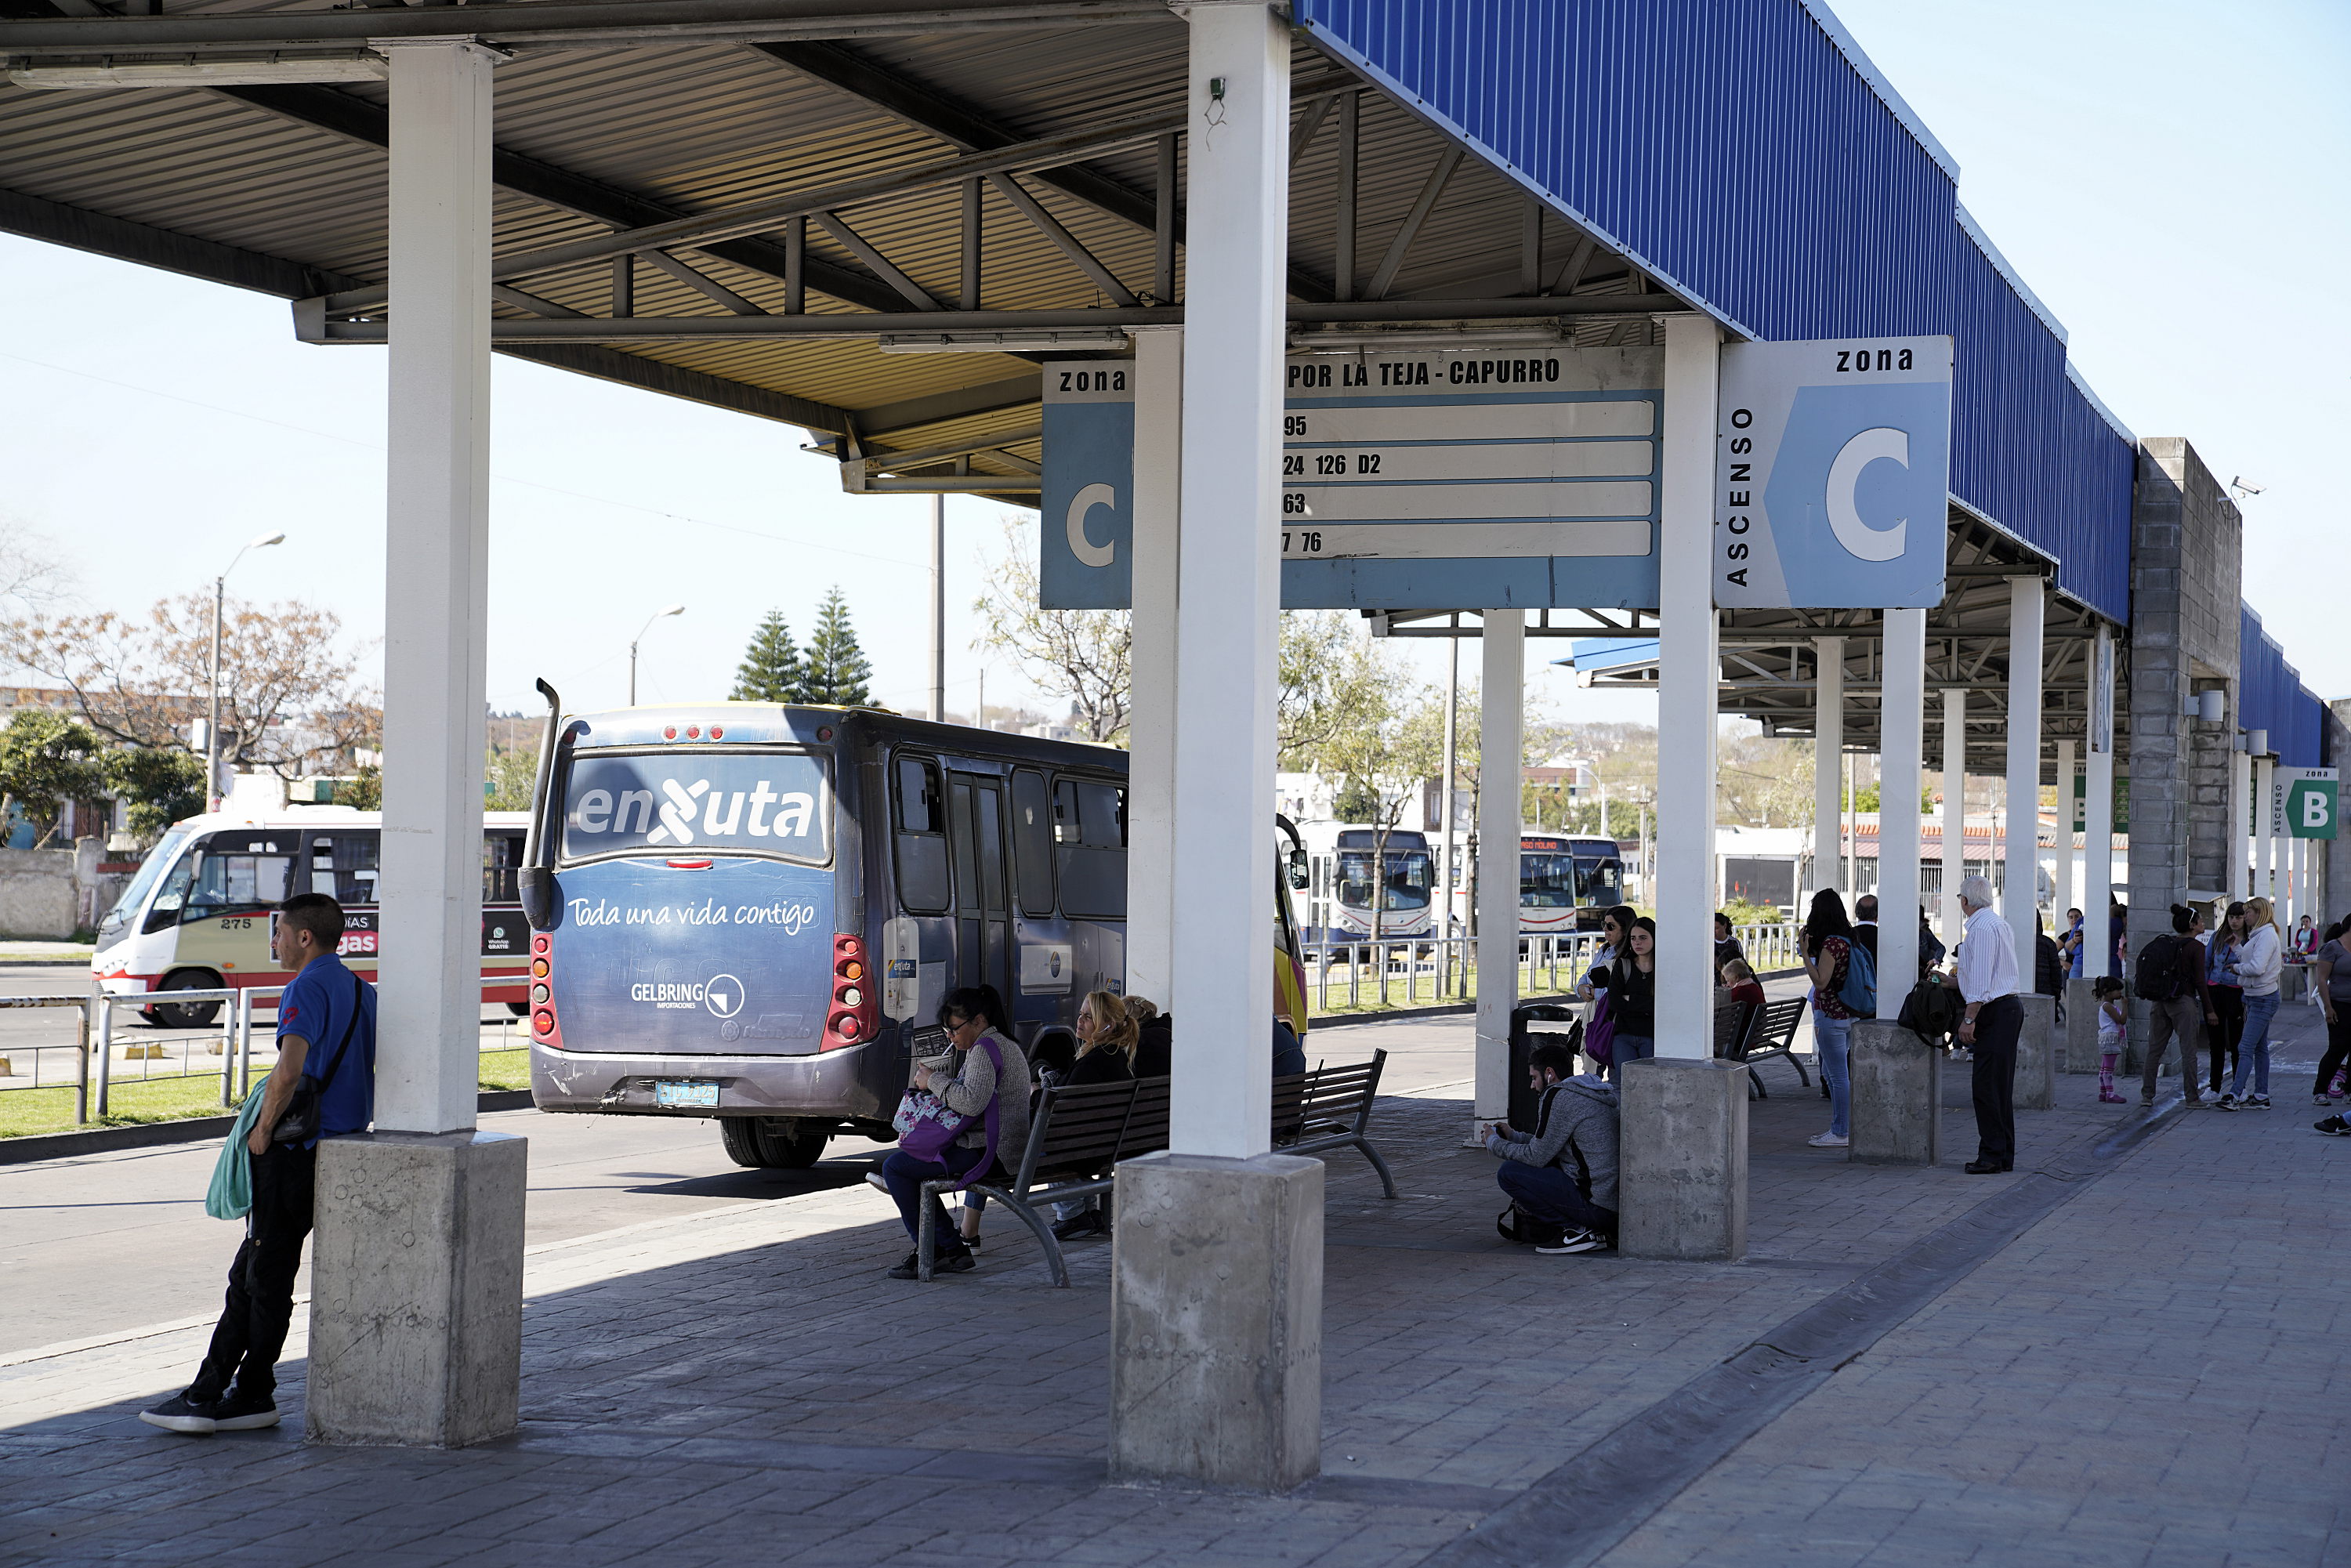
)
(1079, 1135)
(1771, 1033)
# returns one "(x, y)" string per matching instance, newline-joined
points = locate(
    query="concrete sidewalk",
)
(2143, 1372)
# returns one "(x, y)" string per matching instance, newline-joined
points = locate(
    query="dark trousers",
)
(252, 1328)
(2177, 1019)
(2221, 1038)
(1549, 1193)
(1998, 1023)
(2338, 1048)
(905, 1175)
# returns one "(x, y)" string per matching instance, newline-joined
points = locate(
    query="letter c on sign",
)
(1088, 552)
(1857, 537)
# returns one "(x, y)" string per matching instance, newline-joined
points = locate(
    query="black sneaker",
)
(2226, 1103)
(1573, 1241)
(957, 1261)
(242, 1412)
(2333, 1126)
(194, 1417)
(2258, 1103)
(1089, 1223)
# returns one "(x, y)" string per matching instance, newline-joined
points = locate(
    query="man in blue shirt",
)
(326, 1034)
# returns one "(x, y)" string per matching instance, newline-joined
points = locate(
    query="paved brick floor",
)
(2147, 1376)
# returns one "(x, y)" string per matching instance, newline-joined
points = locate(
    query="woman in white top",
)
(2260, 962)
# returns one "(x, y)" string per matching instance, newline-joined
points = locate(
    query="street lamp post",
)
(656, 615)
(211, 708)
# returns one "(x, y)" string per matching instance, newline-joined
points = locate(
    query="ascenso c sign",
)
(1832, 473)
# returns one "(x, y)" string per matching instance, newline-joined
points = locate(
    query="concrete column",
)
(2265, 825)
(1151, 751)
(2099, 808)
(1689, 671)
(2036, 1048)
(2019, 901)
(2241, 817)
(1217, 1278)
(1897, 1095)
(416, 1295)
(1902, 727)
(2064, 879)
(939, 617)
(1500, 763)
(1828, 763)
(1955, 811)
(1681, 1171)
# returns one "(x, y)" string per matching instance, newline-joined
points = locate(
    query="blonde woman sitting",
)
(1106, 1035)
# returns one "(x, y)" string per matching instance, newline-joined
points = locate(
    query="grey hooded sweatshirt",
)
(1579, 1120)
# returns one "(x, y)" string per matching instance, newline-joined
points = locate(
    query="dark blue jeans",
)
(905, 1174)
(1548, 1192)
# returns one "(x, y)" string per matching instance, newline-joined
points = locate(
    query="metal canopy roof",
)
(793, 186)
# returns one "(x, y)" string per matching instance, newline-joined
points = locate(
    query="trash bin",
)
(1526, 1104)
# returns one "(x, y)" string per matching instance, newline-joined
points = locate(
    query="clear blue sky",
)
(2169, 177)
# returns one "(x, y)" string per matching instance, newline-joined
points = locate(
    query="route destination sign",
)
(1521, 476)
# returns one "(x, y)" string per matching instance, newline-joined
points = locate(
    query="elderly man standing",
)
(1988, 984)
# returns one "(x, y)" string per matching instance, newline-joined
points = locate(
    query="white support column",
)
(2098, 811)
(1151, 751)
(2241, 817)
(938, 706)
(1902, 746)
(1690, 674)
(2064, 865)
(1828, 762)
(436, 588)
(2265, 822)
(1501, 747)
(1216, 1271)
(2020, 901)
(1955, 811)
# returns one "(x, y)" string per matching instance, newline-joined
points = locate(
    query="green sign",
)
(2312, 803)
(2122, 804)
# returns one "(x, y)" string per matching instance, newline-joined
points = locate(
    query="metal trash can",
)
(1526, 1104)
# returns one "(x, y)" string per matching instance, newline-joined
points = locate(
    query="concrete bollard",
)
(1681, 1160)
(1216, 1320)
(416, 1291)
(2036, 1081)
(1897, 1096)
(2081, 1027)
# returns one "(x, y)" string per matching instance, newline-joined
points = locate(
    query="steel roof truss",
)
(1063, 240)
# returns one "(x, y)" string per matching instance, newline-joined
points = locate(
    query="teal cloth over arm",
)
(230, 1194)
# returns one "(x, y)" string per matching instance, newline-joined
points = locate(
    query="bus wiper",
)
(535, 883)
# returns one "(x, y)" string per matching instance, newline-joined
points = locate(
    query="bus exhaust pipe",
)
(535, 882)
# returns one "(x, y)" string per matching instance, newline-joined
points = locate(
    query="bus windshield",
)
(1411, 874)
(142, 884)
(1599, 881)
(767, 803)
(1547, 882)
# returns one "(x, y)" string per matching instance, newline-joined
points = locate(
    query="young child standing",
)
(2113, 1018)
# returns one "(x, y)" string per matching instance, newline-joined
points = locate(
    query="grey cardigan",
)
(1579, 1119)
(969, 1090)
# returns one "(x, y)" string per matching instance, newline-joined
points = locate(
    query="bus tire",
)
(184, 1015)
(741, 1136)
(792, 1145)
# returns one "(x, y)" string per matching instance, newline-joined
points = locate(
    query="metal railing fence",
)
(1409, 971)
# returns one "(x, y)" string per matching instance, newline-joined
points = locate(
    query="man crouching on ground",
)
(326, 1041)
(1565, 1170)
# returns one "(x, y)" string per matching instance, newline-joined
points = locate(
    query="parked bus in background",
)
(752, 912)
(197, 915)
(1340, 880)
(1567, 883)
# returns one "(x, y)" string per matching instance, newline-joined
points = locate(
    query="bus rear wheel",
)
(782, 1143)
(184, 1015)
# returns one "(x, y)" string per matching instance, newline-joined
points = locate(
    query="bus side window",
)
(1093, 855)
(921, 820)
(1032, 842)
(354, 869)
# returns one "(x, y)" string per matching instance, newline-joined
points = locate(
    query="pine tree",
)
(770, 671)
(836, 670)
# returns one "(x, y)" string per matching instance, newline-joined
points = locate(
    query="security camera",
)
(2244, 487)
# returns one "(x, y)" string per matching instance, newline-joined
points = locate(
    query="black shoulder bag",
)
(299, 1125)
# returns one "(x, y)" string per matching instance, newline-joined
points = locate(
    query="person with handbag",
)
(980, 1116)
(323, 1086)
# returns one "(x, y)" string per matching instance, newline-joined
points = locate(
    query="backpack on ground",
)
(1859, 992)
(2158, 977)
(1517, 1226)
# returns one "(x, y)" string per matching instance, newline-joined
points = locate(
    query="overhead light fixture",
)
(190, 71)
(1038, 341)
(1443, 340)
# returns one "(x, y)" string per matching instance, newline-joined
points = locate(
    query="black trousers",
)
(260, 1304)
(1998, 1023)
(2229, 1001)
(2338, 1048)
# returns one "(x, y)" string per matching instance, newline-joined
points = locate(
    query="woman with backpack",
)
(1826, 946)
(2260, 964)
(2226, 995)
(2171, 976)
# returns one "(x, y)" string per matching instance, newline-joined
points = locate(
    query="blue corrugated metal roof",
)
(1750, 158)
(2270, 696)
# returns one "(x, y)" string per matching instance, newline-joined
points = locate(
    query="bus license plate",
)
(687, 1093)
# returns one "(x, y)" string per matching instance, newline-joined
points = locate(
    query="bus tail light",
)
(546, 1029)
(854, 1015)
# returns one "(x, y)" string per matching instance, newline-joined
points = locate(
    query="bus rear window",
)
(763, 803)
